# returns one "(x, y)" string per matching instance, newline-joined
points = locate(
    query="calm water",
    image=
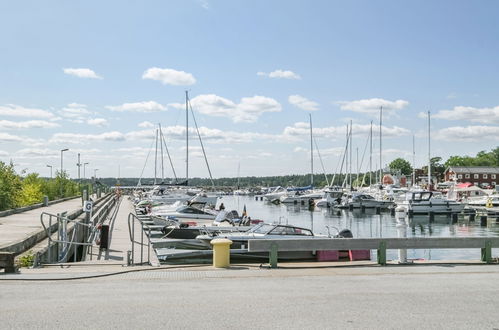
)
(369, 224)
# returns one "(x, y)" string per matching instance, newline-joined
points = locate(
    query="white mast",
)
(156, 159)
(380, 146)
(162, 157)
(429, 154)
(413, 161)
(371, 155)
(187, 137)
(311, 153)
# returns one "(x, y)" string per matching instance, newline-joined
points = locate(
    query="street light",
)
(62, 150)
(50, 170)
(84, 164)
(95, 173)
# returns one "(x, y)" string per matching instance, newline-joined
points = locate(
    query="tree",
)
(31, 192)
(401, 165)
(11, 186)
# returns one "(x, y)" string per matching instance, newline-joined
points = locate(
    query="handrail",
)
(131, 231)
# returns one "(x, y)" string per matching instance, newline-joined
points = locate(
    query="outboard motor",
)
(345, 233)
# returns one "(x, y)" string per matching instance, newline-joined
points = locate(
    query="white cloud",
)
(280, 74)
(33, 152)
(6, 137)
(205, 4)
(169, 76)
(101, 122)
(146, 124)
(475, 115)
(301, 129)
(87, 138)
(13, 110)
(81, 73)
(146, 106)
(248, 110)
(467, 134)
(3, 153)
(75, 110)
(303, 103)
(371, 106)
(27, 124)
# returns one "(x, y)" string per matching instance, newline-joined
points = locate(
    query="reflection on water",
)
(369, 224)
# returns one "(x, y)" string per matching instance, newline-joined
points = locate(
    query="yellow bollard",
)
(221, 252)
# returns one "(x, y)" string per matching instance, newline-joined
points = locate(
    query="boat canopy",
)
(300, 188)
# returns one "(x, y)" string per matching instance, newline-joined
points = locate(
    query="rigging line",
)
(169, 158)
(145, 164)
(162, 155)
(201, 142)
(362, 160)
(344, 156)
(320, 158)
(343, 160)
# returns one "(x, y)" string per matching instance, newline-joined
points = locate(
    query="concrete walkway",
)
(431, 296)
(16, 228)
(120, 241)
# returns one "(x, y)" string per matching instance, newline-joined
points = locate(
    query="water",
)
(369, 224)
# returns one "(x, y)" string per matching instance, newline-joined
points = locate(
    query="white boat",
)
(330, 198)
(424, 202)
(485, 201)
(358, 200)
(297, 197)
(275, 194)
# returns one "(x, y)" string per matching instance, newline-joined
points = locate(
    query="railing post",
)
(487, 252)
(273, 255)
(382, 253)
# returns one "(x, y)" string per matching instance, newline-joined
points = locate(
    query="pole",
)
(311, 154)
(84, 164)
(79, 164)
(50, 170)
(413, 161)
(187, 137)
(162, 165)
(371, 155)
(380, 146)
(62, 169)
(351, 158)
(429, 154)
(156, 158)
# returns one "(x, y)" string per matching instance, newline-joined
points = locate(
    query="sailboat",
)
(423, 201)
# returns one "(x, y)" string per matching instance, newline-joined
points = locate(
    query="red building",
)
(482, 176)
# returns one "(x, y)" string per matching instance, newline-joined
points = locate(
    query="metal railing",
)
(131, 230)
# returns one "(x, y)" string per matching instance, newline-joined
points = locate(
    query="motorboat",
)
(424, 202)
(268, 231)
(358, 200)
(300, 197)
(330, 198)
(485, 201)
(275, 194)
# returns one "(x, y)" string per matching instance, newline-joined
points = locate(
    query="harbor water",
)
(368, 224)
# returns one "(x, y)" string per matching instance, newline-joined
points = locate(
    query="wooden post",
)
(7, 262)
(382, 253)
(273, 256)
(487, 252)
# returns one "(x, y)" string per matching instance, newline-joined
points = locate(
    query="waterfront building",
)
(481, 176)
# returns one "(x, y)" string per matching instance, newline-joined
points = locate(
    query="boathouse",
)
(481, 176)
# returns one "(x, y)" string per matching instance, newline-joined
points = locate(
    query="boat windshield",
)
(261, 228)
(289, 230)
(190, 210)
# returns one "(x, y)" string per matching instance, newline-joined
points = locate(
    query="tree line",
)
(18, 190)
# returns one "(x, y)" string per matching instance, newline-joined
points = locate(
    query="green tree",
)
(11, 186)
(401, 165)
(31, 192)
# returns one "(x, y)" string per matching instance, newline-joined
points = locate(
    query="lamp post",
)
(84, 165)
(62, 150)
(95, 173)
(50, 170)
(62, 170)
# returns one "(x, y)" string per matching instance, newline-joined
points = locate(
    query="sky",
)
(97, 77)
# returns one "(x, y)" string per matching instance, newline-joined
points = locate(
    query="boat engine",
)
(345, 233)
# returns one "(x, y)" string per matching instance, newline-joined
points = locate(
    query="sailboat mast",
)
(429, 154)
(187, 137)
(380, 146)
(311, 154)
(156, 159)
(162, 157)
(413, 161)
(351, 158)
(371, 155)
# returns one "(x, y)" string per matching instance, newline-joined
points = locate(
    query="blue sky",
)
(96, 76)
